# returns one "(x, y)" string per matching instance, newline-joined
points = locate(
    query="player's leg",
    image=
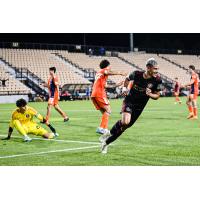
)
(103, 106)
(63, 114)
(49, 107)
(106, 111)
(22, 129)
(37, 130)
(190, 107)
(194, 105)
(128, 119)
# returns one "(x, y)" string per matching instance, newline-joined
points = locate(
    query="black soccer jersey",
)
(140, 84)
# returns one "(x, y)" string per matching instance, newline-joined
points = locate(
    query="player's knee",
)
(48, 136)
(125, 122)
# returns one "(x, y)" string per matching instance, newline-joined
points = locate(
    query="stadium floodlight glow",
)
(179, 51)
(15, 44)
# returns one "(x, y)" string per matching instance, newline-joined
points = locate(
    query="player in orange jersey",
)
(193, 93)
(177, 87)
(99, 97)
(53, 87)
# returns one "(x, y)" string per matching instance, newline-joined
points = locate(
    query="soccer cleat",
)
(27, 139)
(100, 130)
(104, 148)
(194, 118)
(104, 136)
(56, 134)
(191, 115)
(66, 119)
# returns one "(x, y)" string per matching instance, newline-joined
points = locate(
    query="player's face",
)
(22, 109)
(152, 71)
(51, 72)
(190, 71)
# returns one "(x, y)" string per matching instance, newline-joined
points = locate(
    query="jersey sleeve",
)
(13, 117)
(131, 76)
(34, 112)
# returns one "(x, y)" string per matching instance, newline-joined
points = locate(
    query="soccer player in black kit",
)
(145, 85)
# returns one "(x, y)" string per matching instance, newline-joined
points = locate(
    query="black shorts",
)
(130, 107)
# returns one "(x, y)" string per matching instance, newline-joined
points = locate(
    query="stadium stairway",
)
(26, 77)
(85, 73)
(172, 62)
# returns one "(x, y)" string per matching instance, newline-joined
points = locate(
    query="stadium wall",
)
(12, 98)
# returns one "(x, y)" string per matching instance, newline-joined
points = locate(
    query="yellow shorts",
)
(35, 129)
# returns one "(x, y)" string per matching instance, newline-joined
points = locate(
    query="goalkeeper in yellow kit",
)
(22, 120)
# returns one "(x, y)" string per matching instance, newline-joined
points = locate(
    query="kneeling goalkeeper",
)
(22, 120)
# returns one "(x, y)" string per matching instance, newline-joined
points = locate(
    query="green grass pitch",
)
(161, 136)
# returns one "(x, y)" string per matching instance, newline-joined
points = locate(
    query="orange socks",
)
(195, 112)
(190, 108)
(104, 120)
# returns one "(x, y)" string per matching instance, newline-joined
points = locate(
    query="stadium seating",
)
(39, 61)
(13, 86)
(184, 60)
(85, 61)
(166, 68)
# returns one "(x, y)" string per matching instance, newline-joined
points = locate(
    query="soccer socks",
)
(115, 132)
(104, 120)
(195, 111)
(19, 127)
(190, 108)
(52, 128)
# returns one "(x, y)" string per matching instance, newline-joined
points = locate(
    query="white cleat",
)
(105, 135)
(56, 134)
(100, 130)
(27, 139)
(104, 148)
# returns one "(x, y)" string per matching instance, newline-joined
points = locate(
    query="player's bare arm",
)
(153, 96)
(10, 131)
(112, 73)
(125, 89)
(115, 85)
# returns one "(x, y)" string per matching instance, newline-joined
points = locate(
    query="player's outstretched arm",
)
(10, 130)
(112, 73)
(115, 85)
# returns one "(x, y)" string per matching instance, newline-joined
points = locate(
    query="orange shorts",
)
(53, 101)
(193, 96)
(100, 102)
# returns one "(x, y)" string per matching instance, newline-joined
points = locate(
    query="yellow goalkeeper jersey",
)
(25, 117)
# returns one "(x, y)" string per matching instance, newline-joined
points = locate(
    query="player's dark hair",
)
(151, 62)
(104, 64)
(21, 103)
(192, 67)
(52, 69)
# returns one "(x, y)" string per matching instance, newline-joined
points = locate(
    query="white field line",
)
(56, 140)
(47, 152)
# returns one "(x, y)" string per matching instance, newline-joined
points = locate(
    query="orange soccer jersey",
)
(99, 96)
(98, 89)
(53, 90)
(195, 86)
